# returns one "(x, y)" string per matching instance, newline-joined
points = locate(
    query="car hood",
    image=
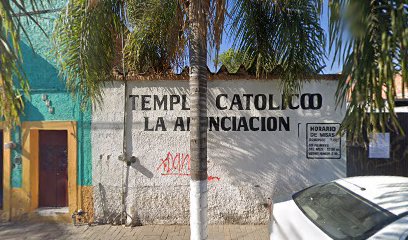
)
(289, 223)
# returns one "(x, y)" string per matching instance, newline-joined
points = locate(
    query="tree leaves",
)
(233, 60)
(371, 38)
(158, 39)
(283, 37)
(13, 83)
(84, 45)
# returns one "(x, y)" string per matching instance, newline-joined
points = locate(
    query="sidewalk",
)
(68, 231)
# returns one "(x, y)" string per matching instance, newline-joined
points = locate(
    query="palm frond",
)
(84, 44)
(371, 38)
(13, 83)
(217, 17)
(233, 60)
(283, 37)
(158, 39)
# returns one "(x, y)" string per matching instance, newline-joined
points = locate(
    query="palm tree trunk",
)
(198, 124)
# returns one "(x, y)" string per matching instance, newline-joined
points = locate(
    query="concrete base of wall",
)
(161, 205)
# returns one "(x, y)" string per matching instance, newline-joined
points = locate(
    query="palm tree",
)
(198, 13)
(279, 37)
(283, 38)
(11, 102)
(371, 38)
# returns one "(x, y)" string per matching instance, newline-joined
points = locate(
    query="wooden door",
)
(53, 167)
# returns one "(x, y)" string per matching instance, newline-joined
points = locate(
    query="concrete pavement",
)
(26, 230)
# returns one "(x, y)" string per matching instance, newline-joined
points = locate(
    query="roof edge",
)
(222, 74)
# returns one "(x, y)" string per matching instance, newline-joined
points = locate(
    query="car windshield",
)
(340, 213)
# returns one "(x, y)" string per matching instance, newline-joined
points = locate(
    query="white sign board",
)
(379, 146)
(322, 141)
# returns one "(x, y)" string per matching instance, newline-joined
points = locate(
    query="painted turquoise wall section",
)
(40, 68)
(16, 167)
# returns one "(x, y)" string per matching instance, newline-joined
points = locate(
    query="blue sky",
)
(325, 24)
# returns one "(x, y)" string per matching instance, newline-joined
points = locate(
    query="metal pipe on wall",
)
(125, 150)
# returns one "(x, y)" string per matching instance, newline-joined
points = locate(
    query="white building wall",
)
(245, 167)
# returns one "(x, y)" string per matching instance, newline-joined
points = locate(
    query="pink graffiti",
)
(211, 178)
(178, 164)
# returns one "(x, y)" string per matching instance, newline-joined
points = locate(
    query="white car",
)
(374, 207)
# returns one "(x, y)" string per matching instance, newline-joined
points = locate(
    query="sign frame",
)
(307, 142)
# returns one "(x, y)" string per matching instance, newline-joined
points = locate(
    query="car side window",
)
(340, 213)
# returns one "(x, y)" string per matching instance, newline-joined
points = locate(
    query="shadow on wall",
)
(252, 166)
(132, 217)
(41, 73)
(272, 164)
(32, 112)
(112, 209)
(111, 215)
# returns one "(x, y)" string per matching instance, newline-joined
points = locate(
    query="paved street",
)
(151, 232)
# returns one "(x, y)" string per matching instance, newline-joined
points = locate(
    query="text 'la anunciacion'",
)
(225, 102)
